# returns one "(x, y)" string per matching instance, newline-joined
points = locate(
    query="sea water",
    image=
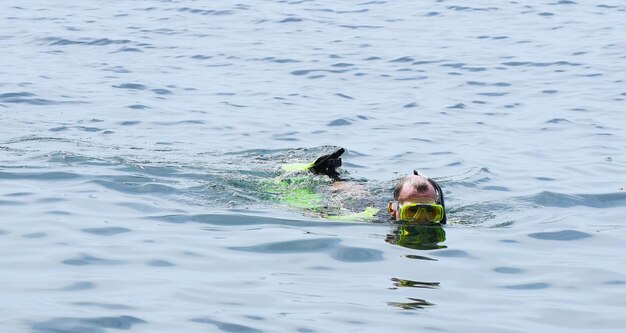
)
(133, 134)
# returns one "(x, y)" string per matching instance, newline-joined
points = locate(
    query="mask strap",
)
(440, 199)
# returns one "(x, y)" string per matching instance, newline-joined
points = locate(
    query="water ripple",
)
(508, 270)
(339, 122)
(86, 41)
(78, 286)
(206, 11)
(104, 305)
(540, 64)
(529, 286)
(329, 245)
(89, 260)
(132, 86)
(84, 325)
(563, 235)
(137, 188)
(450, 253)
(553, 199)
(26, 98)
(48, 176)
(162, 114)
(159, 263)
(231, 219)
(227, 327)
(105, 231)
(299, 246)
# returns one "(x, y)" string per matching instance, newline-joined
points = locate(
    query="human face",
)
(414, 206)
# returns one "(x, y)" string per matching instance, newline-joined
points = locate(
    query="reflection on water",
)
(419, 237)
(414, 256)
(415, 303)
(413, 284)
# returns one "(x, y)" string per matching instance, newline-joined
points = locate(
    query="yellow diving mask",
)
(418, 212)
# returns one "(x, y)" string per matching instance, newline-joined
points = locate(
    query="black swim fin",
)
(328, 164)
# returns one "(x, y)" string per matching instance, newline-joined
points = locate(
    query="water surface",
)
(133, 132)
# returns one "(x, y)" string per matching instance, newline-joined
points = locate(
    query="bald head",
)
(414, 188)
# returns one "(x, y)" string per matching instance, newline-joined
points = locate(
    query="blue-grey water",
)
(132, 134)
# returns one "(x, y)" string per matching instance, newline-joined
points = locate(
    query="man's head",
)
(413, 189)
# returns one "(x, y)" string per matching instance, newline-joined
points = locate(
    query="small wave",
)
(227, 327)
(92, 325)
(492, 37)
(231, 219)
(457, 106)
(161, 91)
(540, 64)
(206, 11)
(465, 67)
(485, 84)
(339, 122)
(17, 94)
(291, 20)
(493, 94)
(132, 86)
(558, 121)
(159, 263)
(309, 71)
(553, 199)
(180, 122)
(127, 49)
(106, 41)
(449, 253)
(105, 231)
(463, 8)
(10, 202)
(329, 245)
(26, 98)
(360, 26)
(508, 270)
(563, 2)
(35, 235)
(89, 260)
(403, 59)
(77, 286)
(279, 61)
(296, 246)
(129, 123)
(563, 235)
(104, 305)
(138, 107)
(45, 175)
(136, 188)
(529, 286)
(86, 41)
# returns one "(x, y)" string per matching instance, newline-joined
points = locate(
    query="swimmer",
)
(416, 198)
